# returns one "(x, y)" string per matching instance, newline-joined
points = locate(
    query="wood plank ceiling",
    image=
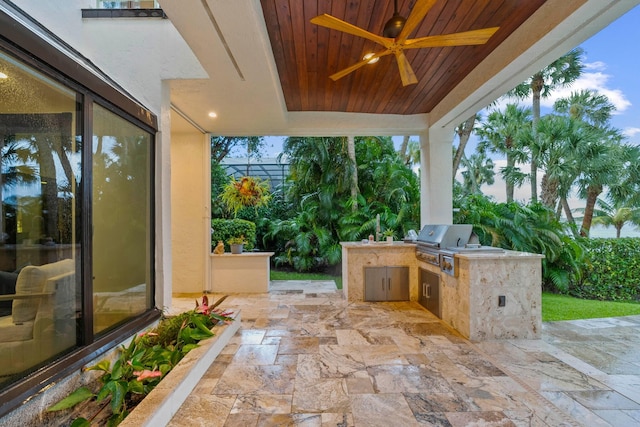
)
(306, 54)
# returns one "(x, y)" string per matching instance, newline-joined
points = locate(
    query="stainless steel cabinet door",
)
(375, 283)
(386, 283)
(429, 288)
(397, 283)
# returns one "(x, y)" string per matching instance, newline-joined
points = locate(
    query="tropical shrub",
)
(611, 270)
(142, 364)
(533, 228)
(225, 229)
(319, 192)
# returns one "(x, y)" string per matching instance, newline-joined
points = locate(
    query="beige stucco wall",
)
(190, 206)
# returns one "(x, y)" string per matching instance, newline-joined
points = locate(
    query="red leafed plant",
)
(141, 365)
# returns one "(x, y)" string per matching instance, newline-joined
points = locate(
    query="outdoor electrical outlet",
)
(502, 300)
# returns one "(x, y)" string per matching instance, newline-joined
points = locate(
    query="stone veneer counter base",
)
(469, 302)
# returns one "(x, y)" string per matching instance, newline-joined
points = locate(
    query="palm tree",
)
(479, 170)
(351, 149)
(559, 138)
(591, 107)
(560, 73)
(502, 132)
(615, 215)
(600, 165)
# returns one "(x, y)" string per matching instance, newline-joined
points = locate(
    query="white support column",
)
(436, 186)
(206, 211)
(163, 259)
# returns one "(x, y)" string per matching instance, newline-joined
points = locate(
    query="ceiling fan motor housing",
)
(393, 26)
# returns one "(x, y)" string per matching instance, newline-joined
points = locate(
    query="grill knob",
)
(447, 265)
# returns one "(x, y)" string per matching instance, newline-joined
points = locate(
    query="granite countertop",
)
(498, 255)
(377, 245)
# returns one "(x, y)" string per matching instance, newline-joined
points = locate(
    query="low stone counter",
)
(356, 256)
(247, 272)
(470, 301)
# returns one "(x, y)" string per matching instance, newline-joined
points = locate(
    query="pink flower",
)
(143, 375)
(204, 308)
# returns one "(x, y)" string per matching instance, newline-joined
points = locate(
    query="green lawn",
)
(554, 307)
(561, 307)
(292, 275)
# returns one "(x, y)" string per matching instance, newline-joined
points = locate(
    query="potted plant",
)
(236, 244)
(389, 235)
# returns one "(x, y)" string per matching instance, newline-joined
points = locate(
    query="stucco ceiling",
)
(258, 80)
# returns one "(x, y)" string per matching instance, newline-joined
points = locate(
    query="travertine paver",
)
(306, 357)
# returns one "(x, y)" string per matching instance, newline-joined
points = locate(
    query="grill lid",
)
(445, 235)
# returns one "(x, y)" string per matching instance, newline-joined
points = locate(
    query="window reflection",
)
(39, 235)
(121, 220)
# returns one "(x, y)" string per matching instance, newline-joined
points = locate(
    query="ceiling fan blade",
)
(465, 38)
(340, 74)
(334, 23)
(406, 72)
(416, 16)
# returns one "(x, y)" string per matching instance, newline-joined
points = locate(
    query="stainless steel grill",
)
(437, 244)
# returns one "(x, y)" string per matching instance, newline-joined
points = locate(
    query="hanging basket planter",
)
(245, 192)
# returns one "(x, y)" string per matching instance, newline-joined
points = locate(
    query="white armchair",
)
(42, 320)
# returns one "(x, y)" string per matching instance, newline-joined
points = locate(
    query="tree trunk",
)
(592, 196)
(509, 185)
(567, 210)
(464, 132)
(537, 83)
(549, 191)
(618, 231)
(351, 149)
(403, 149)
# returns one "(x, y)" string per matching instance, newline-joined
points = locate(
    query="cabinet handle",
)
(389, 283)
(429, 291)
(383, 284)
(424, 289)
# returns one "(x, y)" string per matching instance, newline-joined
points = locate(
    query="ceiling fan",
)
(395, 38)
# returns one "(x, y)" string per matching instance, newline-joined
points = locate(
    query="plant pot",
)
(389, 239)
(236, 248)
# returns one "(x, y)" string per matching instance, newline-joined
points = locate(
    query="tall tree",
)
(463, 130)
(589, 106)
(593, 111)
(221, 146)
(600, 165)
(560, 73)
(614, 215)
(403, 148)
(502, 133)
(351, 149)
(479, 170)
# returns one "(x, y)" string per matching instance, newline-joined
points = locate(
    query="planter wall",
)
(163, 402)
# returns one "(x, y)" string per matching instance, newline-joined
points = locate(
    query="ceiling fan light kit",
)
(395, 38)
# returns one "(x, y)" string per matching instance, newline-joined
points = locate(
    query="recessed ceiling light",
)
(213, 115)
(3, 75)
(369, 55)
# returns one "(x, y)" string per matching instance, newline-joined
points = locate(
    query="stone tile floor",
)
(305, 357)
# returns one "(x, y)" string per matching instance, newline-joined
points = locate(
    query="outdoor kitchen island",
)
(492, 295)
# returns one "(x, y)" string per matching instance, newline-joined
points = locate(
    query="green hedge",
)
(224, 229)
(611, 270)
